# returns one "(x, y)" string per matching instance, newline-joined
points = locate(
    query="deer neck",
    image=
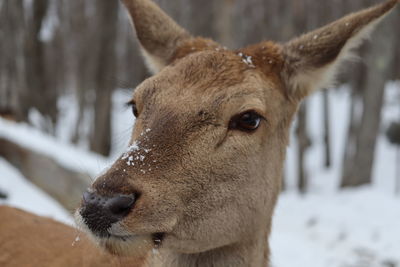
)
(252, 254)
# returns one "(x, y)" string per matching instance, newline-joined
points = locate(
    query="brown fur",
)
(31, 240)
(209, 188)
(157, 33)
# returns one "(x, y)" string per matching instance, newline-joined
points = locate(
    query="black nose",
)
(100, 212)
(118, 206)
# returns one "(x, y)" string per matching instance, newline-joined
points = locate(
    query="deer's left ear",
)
(159, 34)
(312, 60)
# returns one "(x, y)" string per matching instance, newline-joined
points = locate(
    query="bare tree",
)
(358, 161)
(46, 100)
(304, 143)
(223, 12)
(14, 95)
(104, 76)
(327, 129)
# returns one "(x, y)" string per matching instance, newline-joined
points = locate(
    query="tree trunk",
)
(327, 139)
(358, 167)
(45, 97)
(224, 22)
(104, 76)
(303, 144)
(14, 94)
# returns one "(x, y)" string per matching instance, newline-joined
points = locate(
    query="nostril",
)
(121, 205)
(100, 212)
(88, 197)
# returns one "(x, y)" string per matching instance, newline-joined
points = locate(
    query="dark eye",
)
(132, 104)
(247, 121)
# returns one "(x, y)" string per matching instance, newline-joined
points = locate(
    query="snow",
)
(23, 194)
(65, 154)
(354, 228)
(130, 149)
(247, 60)
(325, 228)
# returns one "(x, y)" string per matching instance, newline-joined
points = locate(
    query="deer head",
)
(202, 174)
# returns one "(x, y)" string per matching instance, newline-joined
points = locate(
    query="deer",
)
(31, 240)
(199, 181)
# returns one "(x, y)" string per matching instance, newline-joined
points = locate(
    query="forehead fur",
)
(209, 69)
(201, 65)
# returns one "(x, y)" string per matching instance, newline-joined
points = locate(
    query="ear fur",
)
(159, 35)
(312, 60)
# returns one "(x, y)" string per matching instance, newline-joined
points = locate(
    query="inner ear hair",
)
(159, 35)
(312, 60)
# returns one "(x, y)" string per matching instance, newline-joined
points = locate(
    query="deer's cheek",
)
(155, 213)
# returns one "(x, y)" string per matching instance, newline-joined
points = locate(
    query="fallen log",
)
(64, 185)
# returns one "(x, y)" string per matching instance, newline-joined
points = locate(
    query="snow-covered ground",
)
(353, 228)
(326, 228)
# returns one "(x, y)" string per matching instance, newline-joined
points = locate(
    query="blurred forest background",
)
(86, 48)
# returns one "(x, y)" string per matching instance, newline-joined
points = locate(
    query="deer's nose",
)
(100, 212)
(119, 205)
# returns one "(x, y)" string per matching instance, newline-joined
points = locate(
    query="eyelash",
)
(132, 105)
(248, 121)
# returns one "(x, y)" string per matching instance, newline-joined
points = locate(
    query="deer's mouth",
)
(120, 242)
(130, 245)
(156, 238)
(122, 238)
(126, 245)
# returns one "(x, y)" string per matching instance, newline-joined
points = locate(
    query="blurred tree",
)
(393, 133)
(327, 129)
(303, 140)
(223, 12)
(81, 64)
(304, 143)
(14, 94)
(43, 97)
(105, 72)
(358, 160)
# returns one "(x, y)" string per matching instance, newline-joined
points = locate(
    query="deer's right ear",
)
(159, 35)
(312, 60)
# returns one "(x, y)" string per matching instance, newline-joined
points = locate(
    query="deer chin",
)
(128, 245)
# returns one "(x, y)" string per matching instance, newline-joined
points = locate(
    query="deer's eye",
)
(132, 104)
(247, 121)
